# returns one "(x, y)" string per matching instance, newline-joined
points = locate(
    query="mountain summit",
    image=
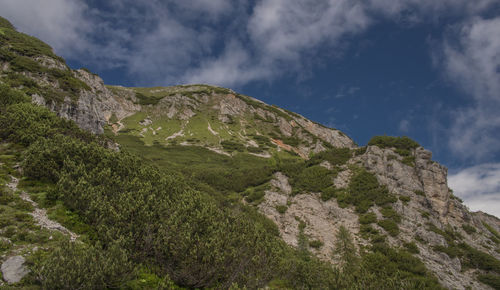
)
(199, 186)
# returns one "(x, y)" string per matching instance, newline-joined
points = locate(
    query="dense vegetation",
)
(402, 145)
(174, 216)
(156, 218)
(143, 222)
(21, 51)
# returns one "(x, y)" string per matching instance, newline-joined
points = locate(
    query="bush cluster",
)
(364, 191)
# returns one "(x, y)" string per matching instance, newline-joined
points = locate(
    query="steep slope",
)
(308, 179)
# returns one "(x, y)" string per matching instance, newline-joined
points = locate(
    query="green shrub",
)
(490, 280)
(387, 264)
(4, 23)
(254, 195)
(316, 244)
(405, 199)
(255, 149)
(368, 218)
(364, 190)
(390, 213)
(292, 141)
(329, 193)
(148, 100)
(314, 179)
(477, 259)
(492, 230)
(389, 226)
(419, 192)
(412, 247)
(232, 146)
(25, 123)
(6, 196)
(336, 156)
(80, 266)
(409, 160)
(281, 208)
(10, 96)
(360, 151)
(452, 251)
(401, 143)
(468, 229)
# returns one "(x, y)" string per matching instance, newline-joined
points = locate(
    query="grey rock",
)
(13, 269)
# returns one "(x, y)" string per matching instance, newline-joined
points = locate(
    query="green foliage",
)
(389, 226)
(6, 196)
(477, 259)
(367, 231)
(345, 250)
(148, 99)
(390, 213)
(405, 199)
(196, 243)
(146, 279)
(4, 23)
(22, 82)
(412, 247)
(492, 230)
(468, 229)
(281, 208)
(313, 179)
(386, 263)
(336, 156)
(364, 191)
(360, 151)
(292, 141)
(232, 146)
(452, 251)
(409, 160)
(419, 192)
(401, 143)
(368, 218)
(9, 96)
(262, 140)
(490, 280)
(25, 123)
(316, 244)
(24, 44)
(67, 82)
(73, 265)
(329, 192)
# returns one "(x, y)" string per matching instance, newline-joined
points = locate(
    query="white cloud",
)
(472, 61)
(404, 126)
(479, 187)
(167, 42)
(283, 29)
(233, 67)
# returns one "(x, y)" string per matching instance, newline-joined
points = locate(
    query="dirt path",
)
(40, 214)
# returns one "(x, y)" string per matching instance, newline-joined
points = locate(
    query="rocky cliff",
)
(417, 212)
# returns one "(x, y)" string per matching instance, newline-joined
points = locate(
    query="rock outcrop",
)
(13, 269)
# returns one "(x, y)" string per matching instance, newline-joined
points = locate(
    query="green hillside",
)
(197, 186)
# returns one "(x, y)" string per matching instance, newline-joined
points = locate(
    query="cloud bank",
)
(479, 187)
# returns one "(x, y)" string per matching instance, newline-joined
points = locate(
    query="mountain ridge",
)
(308, 179)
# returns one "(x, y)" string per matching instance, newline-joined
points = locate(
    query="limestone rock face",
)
(94, 107)
(429, 209)
(13, 269)
(321, 219)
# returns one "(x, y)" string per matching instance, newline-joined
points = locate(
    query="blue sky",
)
(422, 68)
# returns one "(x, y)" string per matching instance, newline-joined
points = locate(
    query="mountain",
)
(200, 186)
